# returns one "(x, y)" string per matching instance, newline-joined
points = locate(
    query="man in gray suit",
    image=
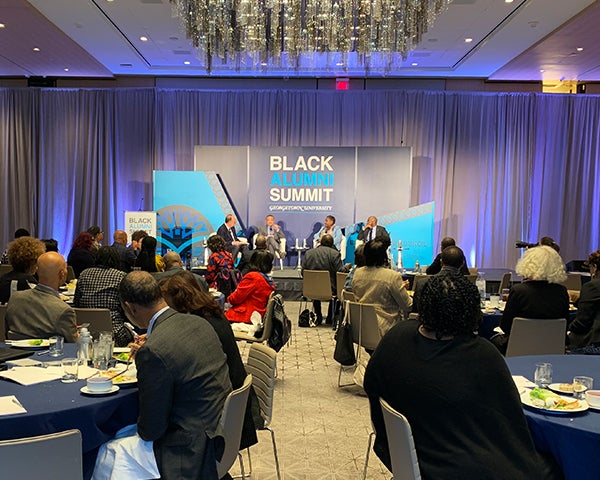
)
(182, 379)
(274, 235)
(39, 312)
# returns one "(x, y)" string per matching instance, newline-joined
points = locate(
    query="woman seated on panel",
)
(252, 293)
(220, 259)
(22, 255)
(98, 287)
(584, 332)
(467, 422)
(147, 259)
(82, 254)
(182, 292)
(541, 295)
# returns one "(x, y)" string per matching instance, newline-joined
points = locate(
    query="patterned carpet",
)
(321, 430)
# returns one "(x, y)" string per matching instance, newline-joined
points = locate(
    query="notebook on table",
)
(12, 354)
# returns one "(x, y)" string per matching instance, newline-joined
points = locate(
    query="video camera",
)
(521, 244)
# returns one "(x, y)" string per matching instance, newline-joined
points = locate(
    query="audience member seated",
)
(377, 284)
(371, 231)
(136, 241)
(325, 257)
(274, 236)
(39, 312)
(183, 383)
(126, 255)
(227, 233)
(20, 232)
(584, 331)
(452, 260)
(147, 260)
(467, 422)
(23, 254)
(252, 293)
(174, 265)
(82, 254)
(260, 243)
(182, 293)
(436, 265)
(329, 228)
(98, 287)
(540, 295)
(359, 261)
(96, 232)
(220, 259)
(51, 244)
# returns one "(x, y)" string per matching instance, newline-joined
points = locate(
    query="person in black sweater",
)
(436, 265)
(467, 421)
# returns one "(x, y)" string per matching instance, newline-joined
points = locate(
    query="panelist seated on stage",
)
(227, 233)
(436, 265)
(183, 382)
(23, 254)
(329, 228)
(274, 236)
(252, 293)
(39, 312)
(371, 230)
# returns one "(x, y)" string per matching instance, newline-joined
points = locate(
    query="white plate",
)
(121, 350)
(526, 400)
(130, 377)
(86, 391)
(555, 388)
(27, 344)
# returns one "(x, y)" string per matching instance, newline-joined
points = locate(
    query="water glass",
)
(494, 300)
(101, 354)
(543, 374)
(107, 338)
(55, 349)
(70, 370)
(580, 385)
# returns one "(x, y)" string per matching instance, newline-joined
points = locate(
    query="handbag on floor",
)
(344, 346)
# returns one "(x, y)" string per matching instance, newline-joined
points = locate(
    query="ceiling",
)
(522, 40)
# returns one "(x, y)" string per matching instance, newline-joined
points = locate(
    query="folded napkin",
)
(9, 405)
(522, 383)
(32, 375)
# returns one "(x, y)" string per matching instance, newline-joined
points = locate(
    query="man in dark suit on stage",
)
(274, 236)
(324, 257)
(182, 379)
(371, 230)
(227, 233)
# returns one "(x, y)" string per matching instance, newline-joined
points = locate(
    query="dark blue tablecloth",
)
(56, 406)
(573, 440)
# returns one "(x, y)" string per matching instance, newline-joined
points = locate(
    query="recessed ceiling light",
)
(36, 49)
(264, 64)
(580, 49)
(143, 39)
(187, 62)
(414, 64)
(66, 69)
(468, 40)
(542, 70)
(2, 25)
(508, 1)
(339, 64)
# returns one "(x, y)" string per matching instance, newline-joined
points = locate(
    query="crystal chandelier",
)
(290, 33)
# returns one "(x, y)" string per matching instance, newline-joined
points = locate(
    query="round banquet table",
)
(55, 406)
(573, 440)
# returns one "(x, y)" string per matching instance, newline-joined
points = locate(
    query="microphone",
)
(141, 204)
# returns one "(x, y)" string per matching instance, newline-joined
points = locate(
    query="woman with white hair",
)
(541, 294)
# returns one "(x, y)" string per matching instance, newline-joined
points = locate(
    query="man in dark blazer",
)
(182, 379)
(371, 230)
(126, 255)
(39, 312)
(436, 265)
(227, 233)
(274, 235)
(324, 257)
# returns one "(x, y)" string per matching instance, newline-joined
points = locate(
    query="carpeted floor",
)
(321, 430)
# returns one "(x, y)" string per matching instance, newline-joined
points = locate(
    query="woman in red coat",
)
(252, 293)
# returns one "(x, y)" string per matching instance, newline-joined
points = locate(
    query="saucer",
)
(86, 391)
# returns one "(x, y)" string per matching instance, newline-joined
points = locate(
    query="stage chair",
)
(537, 337)
(98, 318)
(262, 365)
(403, 454)
(56, 455)
(232, 421)
(267, 325)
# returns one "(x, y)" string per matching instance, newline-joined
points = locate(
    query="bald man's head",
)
(120, 236)
(52, 269)
(172, 259)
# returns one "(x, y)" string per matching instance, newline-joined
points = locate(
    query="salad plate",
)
(126, 379)
(32, 343)
(563, 405)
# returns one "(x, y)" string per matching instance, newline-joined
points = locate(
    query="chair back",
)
(403, 454)
(56, 455)
(70, 274)
(2, 323)
(262, 362)
(365, 328)
(348, 296)
(505, 282)
(419, 281)
(472, 278)
(537, 337)
(98, 318)
(5, 268)
(340, 281)
(573, 282)
(343, 248)
(232, 421)
(316, 285)
(473, 271)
